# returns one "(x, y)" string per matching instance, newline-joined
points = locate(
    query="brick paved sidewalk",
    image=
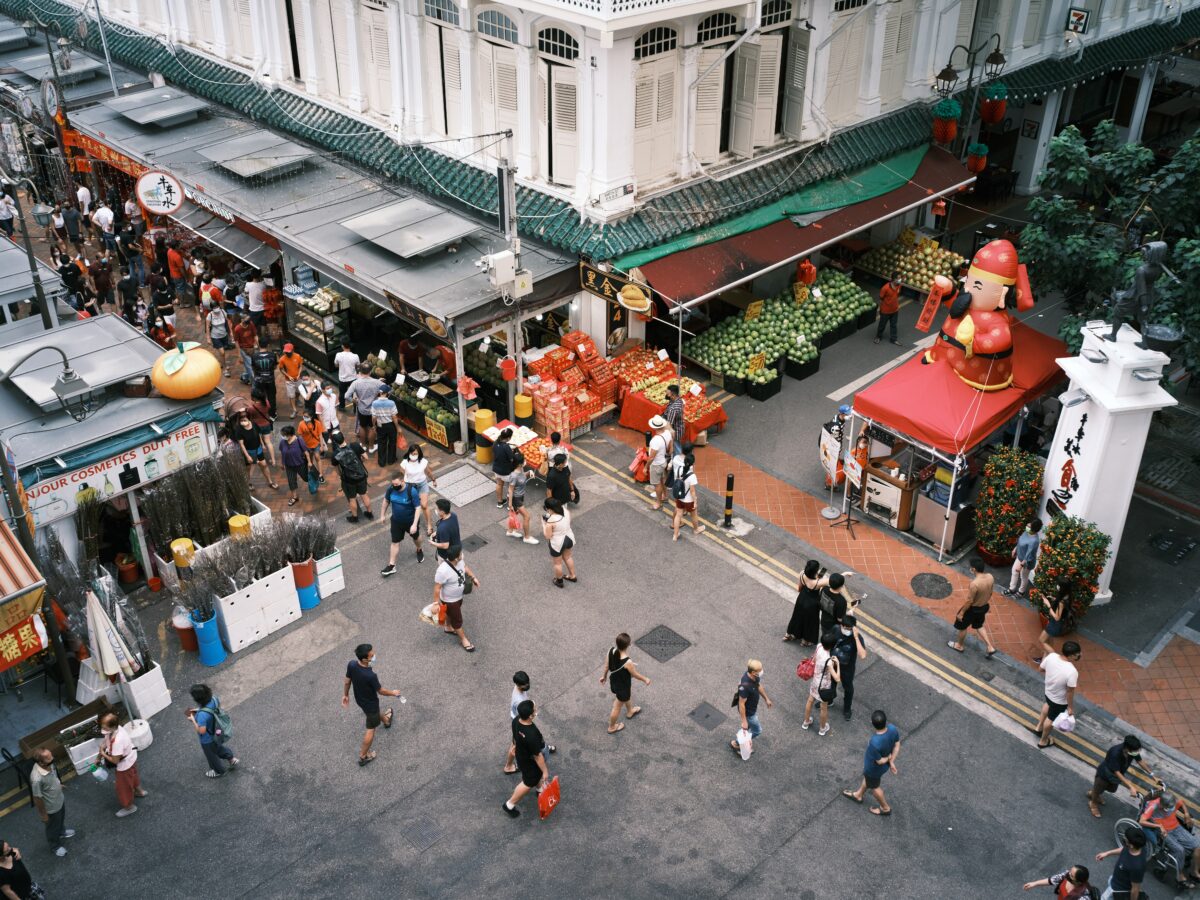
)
(1162, 700)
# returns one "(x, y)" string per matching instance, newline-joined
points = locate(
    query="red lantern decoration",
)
(939, 207)
(991, 112)
(945, 130)
(976, 164)
(806, 272)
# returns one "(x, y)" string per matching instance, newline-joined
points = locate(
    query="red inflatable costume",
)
(976, 340)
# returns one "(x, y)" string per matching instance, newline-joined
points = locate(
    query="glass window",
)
(442, 10)
(496, 24)
(715, 27)
(777, 12)
(556, 42)
(655, 42)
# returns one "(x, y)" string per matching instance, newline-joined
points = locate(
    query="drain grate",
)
(931, 586)
(463, 485)
(473, 543)
(423, 834)
(662, 643)
(1172, 546)
(707, 716)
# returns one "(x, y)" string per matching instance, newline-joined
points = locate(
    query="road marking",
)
(24, 801)
(848, 389)
(920, 655)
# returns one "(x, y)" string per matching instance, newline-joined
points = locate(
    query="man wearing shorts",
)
(363, 392)
(216, 329)
(405, 500)
(348, 460)
(660, 453)
(1061, 679)
(367, 691)
(290, 364)
(880, 758)
(446, 533)
(974, 611)
(531, 761)
(1110, 774)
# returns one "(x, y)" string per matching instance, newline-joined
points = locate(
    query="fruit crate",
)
(866, 318)
(846, 329)
(765, 391)
(733, 384)
(801, 370)
(828, 339)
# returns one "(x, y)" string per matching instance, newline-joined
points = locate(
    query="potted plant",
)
(1009, 494)
(1075, 551)
(197, 596)
(994, 103)
(945, 120)
(977, 155)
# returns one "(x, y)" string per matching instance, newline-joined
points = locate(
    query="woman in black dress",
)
(806, 614)
(620, 672)
(15, 880)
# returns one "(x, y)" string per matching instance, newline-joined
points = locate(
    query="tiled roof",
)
(548, 218)
(1129, 48)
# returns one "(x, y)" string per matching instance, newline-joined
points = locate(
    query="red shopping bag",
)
(548, 798)
(514, 520)
(441, 616)
(640, 467)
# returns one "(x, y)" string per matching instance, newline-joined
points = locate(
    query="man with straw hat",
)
(660, 453)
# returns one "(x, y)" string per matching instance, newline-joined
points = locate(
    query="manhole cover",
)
(663, 644)
(423, 835)
(931, 586)
(1172, 546)
(473, 543)
(707, 716)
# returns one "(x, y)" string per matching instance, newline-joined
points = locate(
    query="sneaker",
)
(370, 449)
(420, 556)
(530, 540)
(806, 724)
(351, 518)
(387, 570)
(1008, 592)
(512, 533)
(512, 813)
(824, 731)
(69, 833)
(60, 852)
(846, 715)
(122, 813)
(370, 516)
(501, 504)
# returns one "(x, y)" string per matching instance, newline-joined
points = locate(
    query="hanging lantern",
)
(806, 272)
(994, 103)
(945, 120)
(977, 158)
(939, 207)
(466, 386)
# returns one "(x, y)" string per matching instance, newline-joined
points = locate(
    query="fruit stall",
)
(429, 410)
(644, 377)
(917, 260)
(572, 386)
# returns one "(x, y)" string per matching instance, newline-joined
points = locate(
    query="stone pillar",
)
(1093, 462)
(816, 122)
(396, 54)
(868, 83)
(922, 61)
(1141, 104)
(312, 70)
(1030, 156)
(526, 138)
(416, 113)
(220, 43)
(685, 161)
(354, 97)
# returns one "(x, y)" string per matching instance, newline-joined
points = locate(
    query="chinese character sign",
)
(159, 193)
(22, 641)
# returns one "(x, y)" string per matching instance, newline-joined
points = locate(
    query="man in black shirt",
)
(558, 480)
(446, 533)
(1110, 774)
(531, 761)
(849, 649)
(72, 280)
(367, 692)
(127, 291)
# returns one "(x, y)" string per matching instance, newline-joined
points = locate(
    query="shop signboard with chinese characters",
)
(159, 193)
(99, 151)
(57, 497)
(20, 608)
(608, 284)
(23, 640)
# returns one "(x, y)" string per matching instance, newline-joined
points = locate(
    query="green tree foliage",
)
(1097, 196)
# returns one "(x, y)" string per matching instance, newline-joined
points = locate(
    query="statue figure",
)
(1134, 303)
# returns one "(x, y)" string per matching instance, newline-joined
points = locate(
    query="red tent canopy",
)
(930, 404)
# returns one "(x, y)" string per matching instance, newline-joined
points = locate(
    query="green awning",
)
(834, 193)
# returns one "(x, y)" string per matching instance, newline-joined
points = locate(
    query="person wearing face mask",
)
(326, 408)
(251, 444)
(360, 675)
(746, 700)
(15, 881)
(418, 471)
(1024, 559)
(384, 413)
(117, 751)
(312, 434)
(531, 761)
(849, 649)
(306, 392)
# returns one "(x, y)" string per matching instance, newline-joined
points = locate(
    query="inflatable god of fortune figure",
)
(976, 338)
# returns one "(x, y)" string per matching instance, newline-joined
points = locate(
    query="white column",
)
(586, 122)
(1141, 104)
(818, 85)
(1016, 30)
(526, 156)
(1098, 443)
(312, 69)
(263, 39)
(1055, 24)
(354, 97)
(396, 55)
(466, 57)
(612, 102)
(922, 60)
(690, 69)
(868, 83)
(416, 121)
(1029, 158)
(177, 15)
(220, 46)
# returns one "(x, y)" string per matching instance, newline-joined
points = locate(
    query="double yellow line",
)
(974, 687)
(24, 792)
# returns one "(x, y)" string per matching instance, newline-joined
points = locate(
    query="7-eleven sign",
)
(1077, 20)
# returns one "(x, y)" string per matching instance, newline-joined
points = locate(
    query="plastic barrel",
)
(186, 632)
(208, 637)
(523, 406)
(305, 574)
(139, 733)
(484, 419)
(239, 526)
(183, 551)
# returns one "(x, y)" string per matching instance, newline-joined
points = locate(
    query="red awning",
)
(929, 404)
(689, 274)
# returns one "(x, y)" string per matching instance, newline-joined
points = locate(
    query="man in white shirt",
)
(1061, 679)
(347, 363)
(254, 299)
(84, 196)
(8, 209)
(660, 453)
(103, 219)
(133, 215)
(327, 407)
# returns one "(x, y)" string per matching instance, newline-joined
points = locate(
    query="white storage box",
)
(242, 633)
(84, 755)
(92, 685)
(281, 612)
(147, 694)
(331, 578)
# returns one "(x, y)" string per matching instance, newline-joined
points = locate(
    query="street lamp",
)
(76, 397)
(41, 214)
(946, 80)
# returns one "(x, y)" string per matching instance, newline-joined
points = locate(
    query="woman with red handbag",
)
(518, 514)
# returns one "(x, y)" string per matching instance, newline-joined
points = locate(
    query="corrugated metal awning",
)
(18, 574)
(227, 236)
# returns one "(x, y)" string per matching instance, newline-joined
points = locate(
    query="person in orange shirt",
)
(177, 270)
(889, 308)
(290, 364)
(312, 434)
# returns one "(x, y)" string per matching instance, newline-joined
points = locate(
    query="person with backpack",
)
(503, 465)
(264, 362)
(1073, 884)
(348, 460)
(214, 727)
(849, 649)
(404, 500)
(683, 492)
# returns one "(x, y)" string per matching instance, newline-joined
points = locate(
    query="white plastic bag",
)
(1065, 722)
(745, 743)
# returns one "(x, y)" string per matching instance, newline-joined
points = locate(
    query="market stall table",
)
(638, 410)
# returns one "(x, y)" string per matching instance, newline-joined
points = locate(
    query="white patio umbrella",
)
(110, 655)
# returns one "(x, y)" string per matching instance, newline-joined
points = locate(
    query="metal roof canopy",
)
(260, 153)
(163, 107)
(37, 66)
(16, 281)
(18, 573)
(13, 38)
(411, 227)
(106, 353)
(228, 237)
(1182, 70)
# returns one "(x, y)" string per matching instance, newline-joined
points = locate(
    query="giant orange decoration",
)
(186, 373)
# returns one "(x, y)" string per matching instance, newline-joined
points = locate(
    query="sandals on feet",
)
(363, 760)
(620, 727)
(850, 794)
(634, 712)
(880, 811)
(470, 648)
(1094, 810)
(954, 646)
(387, 718)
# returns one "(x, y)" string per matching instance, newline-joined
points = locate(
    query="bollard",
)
(728, 523)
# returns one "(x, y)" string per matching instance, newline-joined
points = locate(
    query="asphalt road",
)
(661, 809)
